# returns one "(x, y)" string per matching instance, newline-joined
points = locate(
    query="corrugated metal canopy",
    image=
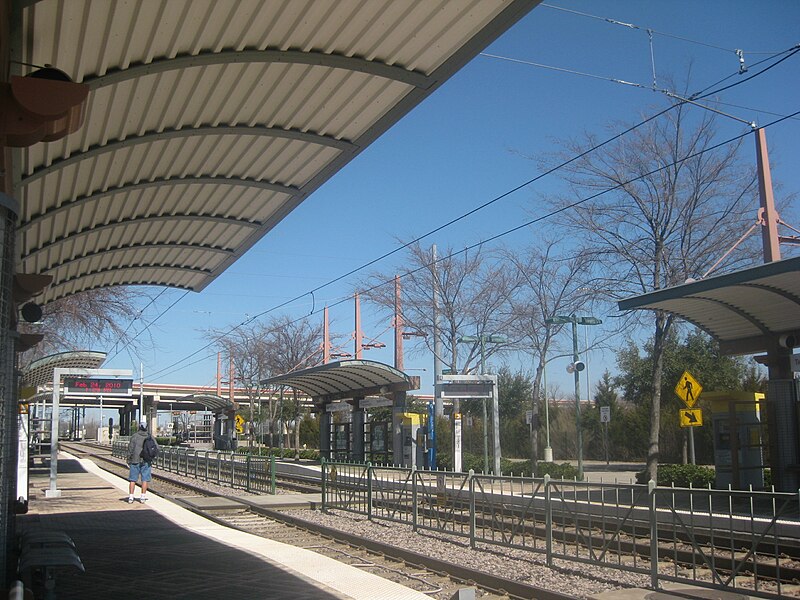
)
(345, 379)
(40, 372)
(207, 122)
(745, 310)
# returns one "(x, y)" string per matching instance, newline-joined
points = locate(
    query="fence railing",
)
(720, 539)
(240, 471)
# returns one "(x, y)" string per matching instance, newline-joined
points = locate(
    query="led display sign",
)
(97, 387)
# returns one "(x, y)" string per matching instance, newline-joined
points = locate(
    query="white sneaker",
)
(143, 499)
(130, 499)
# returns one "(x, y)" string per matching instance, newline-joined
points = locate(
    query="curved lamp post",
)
(576, 367)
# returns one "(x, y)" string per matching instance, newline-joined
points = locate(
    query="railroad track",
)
(433, 576)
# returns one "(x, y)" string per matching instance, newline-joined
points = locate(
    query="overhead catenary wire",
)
(650, 30)
(501, 196)
(501, 234)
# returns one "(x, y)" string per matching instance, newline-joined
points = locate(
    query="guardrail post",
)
(548, 521)
(369, 491)
(471, 487)
(272, 474)
(323, 477)
(651, 494)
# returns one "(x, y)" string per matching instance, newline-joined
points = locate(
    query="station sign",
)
(86, 386)
(466, 386)
(338, 407)
(374, 402)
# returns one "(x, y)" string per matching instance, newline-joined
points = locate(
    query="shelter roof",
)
(745, 311)
(40, 372)
(204, 401)
(208, 122)
(346, 379)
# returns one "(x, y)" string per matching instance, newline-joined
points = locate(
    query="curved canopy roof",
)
(745, 311)
(207, 122)
(203, 401)
(40, 372)
(346, 379)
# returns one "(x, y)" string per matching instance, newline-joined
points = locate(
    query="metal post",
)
(577, 396)
(651, 495)
(369, 491)
(323, 479)
(471, 477)
(548, 450)
(272, 475)
(485, 417)
(548, 521)
(767, 215)
(437, 346)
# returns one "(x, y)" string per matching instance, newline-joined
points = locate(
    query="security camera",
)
(787, 340)
(580, 365)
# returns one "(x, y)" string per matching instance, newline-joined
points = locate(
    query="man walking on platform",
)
(139, 464)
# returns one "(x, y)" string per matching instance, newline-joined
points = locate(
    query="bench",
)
(46, 552)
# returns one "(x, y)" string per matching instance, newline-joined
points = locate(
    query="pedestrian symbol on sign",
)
(688, 389)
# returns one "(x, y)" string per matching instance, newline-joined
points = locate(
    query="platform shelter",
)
(347, 384)
(751, 311)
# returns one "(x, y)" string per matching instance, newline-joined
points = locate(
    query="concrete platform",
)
(159, 550)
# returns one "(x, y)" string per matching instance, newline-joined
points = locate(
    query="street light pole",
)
(577, 375)
(575, 368)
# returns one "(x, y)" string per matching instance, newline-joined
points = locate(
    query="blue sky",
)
(470, 142)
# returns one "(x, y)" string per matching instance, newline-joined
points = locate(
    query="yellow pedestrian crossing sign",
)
(691, 417)
(688, 389)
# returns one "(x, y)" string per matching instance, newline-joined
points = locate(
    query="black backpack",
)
(149, 449)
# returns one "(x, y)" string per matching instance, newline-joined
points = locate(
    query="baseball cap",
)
(143, 424)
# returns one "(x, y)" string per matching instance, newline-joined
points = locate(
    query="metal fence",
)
(720, 539)
(241, 471)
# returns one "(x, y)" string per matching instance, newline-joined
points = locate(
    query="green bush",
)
(681, 476)
(556, 471)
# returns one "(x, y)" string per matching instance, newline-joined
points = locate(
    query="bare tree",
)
(264, 350)
(85, 321)
(294, 344)
(677, 205)
(250, 356)
(474, 299)
(550, 284)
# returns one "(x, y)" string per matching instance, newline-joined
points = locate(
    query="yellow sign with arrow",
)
(239, 421)
(688, 389)
(691, 417)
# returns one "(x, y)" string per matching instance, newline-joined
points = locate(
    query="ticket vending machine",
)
(413, 435)
(738, 439)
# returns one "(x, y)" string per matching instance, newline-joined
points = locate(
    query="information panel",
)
(97, 387)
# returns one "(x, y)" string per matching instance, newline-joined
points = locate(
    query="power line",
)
(161, 314)
(649, 30)
(484, 205)
(494, 237)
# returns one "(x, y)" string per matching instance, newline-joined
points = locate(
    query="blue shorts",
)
(141, 469)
